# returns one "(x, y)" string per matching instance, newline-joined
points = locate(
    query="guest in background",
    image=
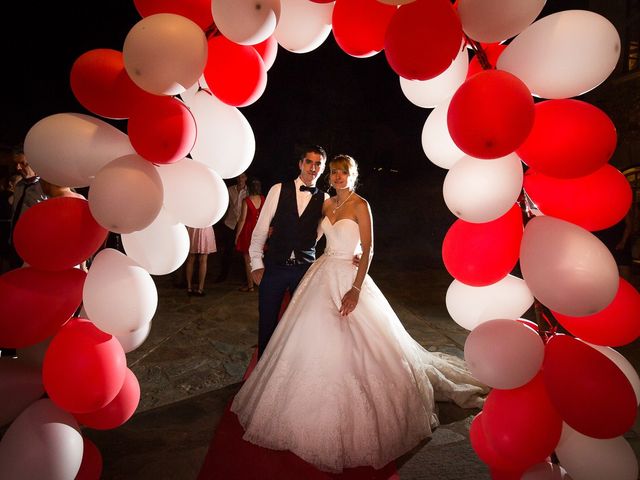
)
(202, 243)
(225, 231)
(251, 207)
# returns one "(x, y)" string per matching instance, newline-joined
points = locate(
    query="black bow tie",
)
(312, 190)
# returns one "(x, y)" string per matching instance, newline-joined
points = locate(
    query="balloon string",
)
(483, 60)
(211, 31)
(546, 328)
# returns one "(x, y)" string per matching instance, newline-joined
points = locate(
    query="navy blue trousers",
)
(275, 282)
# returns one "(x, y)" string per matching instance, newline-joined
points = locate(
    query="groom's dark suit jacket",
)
(292, 232)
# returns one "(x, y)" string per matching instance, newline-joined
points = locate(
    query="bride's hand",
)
(349, 302)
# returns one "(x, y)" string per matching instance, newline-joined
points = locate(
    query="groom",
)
(289, 221)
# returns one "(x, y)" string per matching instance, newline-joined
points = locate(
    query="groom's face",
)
(311, 167)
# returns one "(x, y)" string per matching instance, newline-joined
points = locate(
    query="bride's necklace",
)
(338, 205)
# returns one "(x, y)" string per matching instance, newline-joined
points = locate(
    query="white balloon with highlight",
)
(119, 295)
(469, 306)
(246, 22)
(165, 53)
(480, 191)
(566, 267)
(225, 139)
(437, 143)
(564, 54)
(303, 25)
(194, 194)
(68, 149)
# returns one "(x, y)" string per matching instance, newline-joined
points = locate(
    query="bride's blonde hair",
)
(346, 163)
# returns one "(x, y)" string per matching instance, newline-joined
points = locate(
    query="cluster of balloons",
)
(182, 74)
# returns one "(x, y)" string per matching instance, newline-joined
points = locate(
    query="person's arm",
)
(243, 217)
(261, 232)
(325, 209)
(365, 224)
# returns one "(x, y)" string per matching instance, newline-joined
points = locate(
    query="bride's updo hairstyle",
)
(346, 163)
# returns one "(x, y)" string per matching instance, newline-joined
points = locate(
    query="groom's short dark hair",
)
(315, 149)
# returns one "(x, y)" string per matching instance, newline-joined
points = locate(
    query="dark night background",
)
(348, 105)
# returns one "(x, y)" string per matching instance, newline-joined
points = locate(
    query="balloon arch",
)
(179, 72)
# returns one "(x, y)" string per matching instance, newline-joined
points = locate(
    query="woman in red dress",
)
(251, 207)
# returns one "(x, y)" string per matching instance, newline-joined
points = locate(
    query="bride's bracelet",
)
(353, 286)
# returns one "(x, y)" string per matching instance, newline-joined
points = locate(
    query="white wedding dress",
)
(349, 391)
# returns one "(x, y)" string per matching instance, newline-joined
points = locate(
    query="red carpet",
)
(230, 457)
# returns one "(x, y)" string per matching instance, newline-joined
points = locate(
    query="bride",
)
(341, 383)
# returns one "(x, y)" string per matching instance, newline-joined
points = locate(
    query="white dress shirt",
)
(236, 197)
(261, 230)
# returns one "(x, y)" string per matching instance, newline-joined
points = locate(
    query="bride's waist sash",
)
(339, 254)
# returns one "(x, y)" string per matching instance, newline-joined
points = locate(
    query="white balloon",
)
(165, 53)
(303, 25)
(133, 340)
(159, 248)
(566, 267)
(68, 149)
(429, 93)
(622, 363)
(564, 54)
(126, 194)
(119, 295)
(193, 193)
(246, 22)
(42, 442)
(503, 354)
(479, 191)
(587, 458)
(437, 143)
(492, 21)
(471, 306)
(225, 140)
(20, 386)
(189, 93)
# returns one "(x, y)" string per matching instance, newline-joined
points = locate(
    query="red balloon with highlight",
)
(101, 84)
(522, 424)
(91, 466)
(58, 234)
(594, 202)
(479, 254)
(359, 26)
(235, 73)
(84, 368)
(492, 51)
(268, 51)
(570, 138)
(162, 130)
(119, 410)
(485, 451)
(422, 39)
(491, 114)
(583, 384)
(35, 303)
(617, 325)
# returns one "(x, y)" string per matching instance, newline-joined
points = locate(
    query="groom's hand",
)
(257, 275)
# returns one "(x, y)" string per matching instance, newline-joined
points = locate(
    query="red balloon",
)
(101, 84)
(491, 114)
(91, 466)
(485, 451)
(235, 74)
(522, 424)
(359, 26)
(569, 138)
(594, 202)
(58, 234)
(593, 396)
(119, 410)
(614, 326)
(479, 254)
(268, 50)
(34, 303)
(492, 51)
(84, 368)
(198, 11)
(422, 39)
(162, 130)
